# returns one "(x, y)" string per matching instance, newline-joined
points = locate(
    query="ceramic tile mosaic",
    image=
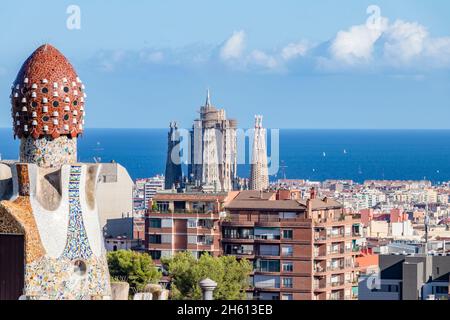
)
(48, 152)
(24, 223)
(77, 245)
(47, 97)
(55, 279)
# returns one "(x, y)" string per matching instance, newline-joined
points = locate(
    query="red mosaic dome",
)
(47, 97)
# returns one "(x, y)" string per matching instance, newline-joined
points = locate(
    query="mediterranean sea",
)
(304, 154)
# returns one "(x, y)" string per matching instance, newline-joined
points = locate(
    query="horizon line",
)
(318, 129)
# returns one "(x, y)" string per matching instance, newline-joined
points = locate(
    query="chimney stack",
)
(312, 193)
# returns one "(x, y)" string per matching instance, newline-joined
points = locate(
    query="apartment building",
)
(184, 222)
(408, 277)
(301, 249)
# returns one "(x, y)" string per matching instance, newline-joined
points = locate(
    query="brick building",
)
(301, 249)
(184, 222)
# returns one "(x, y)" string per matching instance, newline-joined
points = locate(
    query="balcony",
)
(337, 284)
(337, 251)
(237, 236)
(319, 238)
(336, 268)
(320, 269)
(182, 211)
(266, 286)
(336, 297)
(336, 235)
(321, 286)
(267, 237)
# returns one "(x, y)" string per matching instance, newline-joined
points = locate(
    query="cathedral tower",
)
(213, 149)
(259, 176)
(173, 174)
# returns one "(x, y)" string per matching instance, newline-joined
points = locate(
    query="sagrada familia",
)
(213, 153)
(49, 220)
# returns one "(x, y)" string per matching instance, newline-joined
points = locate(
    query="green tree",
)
(136, 268)
(230, 274)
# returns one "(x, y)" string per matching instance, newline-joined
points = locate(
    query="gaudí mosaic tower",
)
(49, 200)
(259, 176)
(213, 149)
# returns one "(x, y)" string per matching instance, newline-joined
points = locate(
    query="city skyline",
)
(174, 188)
(325, 73)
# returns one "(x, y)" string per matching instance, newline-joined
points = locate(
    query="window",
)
(287, 296)
(268, 265)
(154, 238)
(287, 251)
(155, 254)
(34, 104)
(440, 290)
(192, 239)
(166, 223)
(192, 223)
(287, 283)
(75, 102)
(163, 206)
(245, 249)
(154, 223)
(288, 234)
(166, 238)
(269, 250)
(44, 90)
(288, 266)
(287, 215)
(388, 288)
(55, 104)
(66, 117)
(66, 89)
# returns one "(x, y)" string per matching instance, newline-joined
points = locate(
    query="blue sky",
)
(302, 64)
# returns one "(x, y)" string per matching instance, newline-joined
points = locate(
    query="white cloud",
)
(294, 50)
(151, 57)
(437, 50)
(399, 45)
(109, 61)
(370, 47)
(262, 59)
(357, 44)
(233, 47)
(404, 42)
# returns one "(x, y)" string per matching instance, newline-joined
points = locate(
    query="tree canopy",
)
(134, 267)
(185, 271)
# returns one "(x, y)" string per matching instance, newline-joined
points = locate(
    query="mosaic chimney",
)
(47, 101)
